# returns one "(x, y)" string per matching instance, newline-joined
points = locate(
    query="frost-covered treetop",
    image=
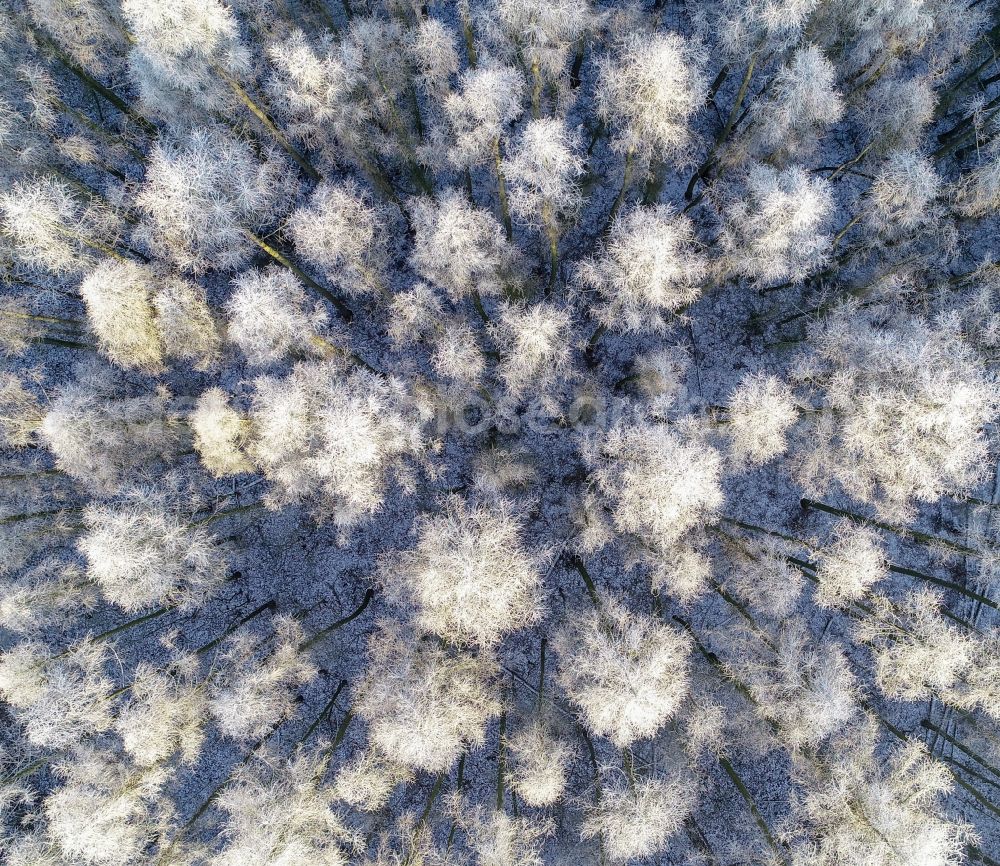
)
(649, 93)
(913, 403)
(627, 673)
(543, 170)
(344, 235)
(203, 193)
(778, 231)
(649, 266)
(141, 553)
(330, 438)
(462, 249)
(468, 578)
(270, 318)
(544, 31)
(180, 51)
(424, 704)
(486, 99)
(660, 485)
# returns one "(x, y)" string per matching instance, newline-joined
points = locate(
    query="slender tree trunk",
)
(553, 235)
(536, 90)
(731, 120)
(502, 190)
(623, 190)
(501, 761)
(922, 537)
(340, 623)
(345, 311)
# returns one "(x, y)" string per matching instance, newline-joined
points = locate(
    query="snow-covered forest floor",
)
(499, 432)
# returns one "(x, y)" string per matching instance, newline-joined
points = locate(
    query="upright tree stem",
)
(106, 92)
(626, 182)
(266, 121)
(218, 515)
(541, 676)
(536, 90)
(257, 611)
(346, 313)
(922, 537)
(327, 709)
(553, 234)
(501, 760)
(574, 73)
(132, 623)
(502, 190)
(581, 569)
(470, 41)
(340, 623)
(929, 725)
(734, 777)
(726, 130)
